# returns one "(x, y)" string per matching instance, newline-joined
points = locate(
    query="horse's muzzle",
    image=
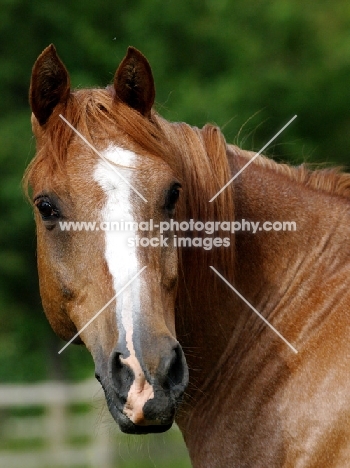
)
(144, 390)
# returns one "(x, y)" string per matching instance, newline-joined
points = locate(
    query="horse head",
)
(113, 293)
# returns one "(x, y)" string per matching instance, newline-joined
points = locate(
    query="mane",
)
(329, 180)
(95, 114)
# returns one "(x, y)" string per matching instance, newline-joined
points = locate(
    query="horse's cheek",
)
(52, 296)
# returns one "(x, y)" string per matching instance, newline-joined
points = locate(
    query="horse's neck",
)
(275, 271)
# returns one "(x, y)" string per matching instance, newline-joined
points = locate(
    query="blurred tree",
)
(248, 66)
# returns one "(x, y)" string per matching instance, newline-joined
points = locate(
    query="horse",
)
(160, 308)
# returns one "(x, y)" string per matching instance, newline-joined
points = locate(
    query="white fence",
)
(53, 431)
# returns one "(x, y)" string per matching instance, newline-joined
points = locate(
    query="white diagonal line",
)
(102, 157)
(251, 160)
(254, 310)
(101, 310)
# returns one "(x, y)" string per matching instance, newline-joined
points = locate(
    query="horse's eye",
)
(172, 197)
(47, 210)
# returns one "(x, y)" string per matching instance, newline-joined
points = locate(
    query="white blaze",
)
(122, 263)
(121, 259)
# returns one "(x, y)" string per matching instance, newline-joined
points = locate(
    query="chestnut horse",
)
(172, 340)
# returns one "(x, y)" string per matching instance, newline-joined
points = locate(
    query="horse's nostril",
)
(177, 372)
(121, 376)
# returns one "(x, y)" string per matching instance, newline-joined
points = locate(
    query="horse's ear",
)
(49, 85)
(133, 82)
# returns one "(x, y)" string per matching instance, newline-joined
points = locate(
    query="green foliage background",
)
(245, 65)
